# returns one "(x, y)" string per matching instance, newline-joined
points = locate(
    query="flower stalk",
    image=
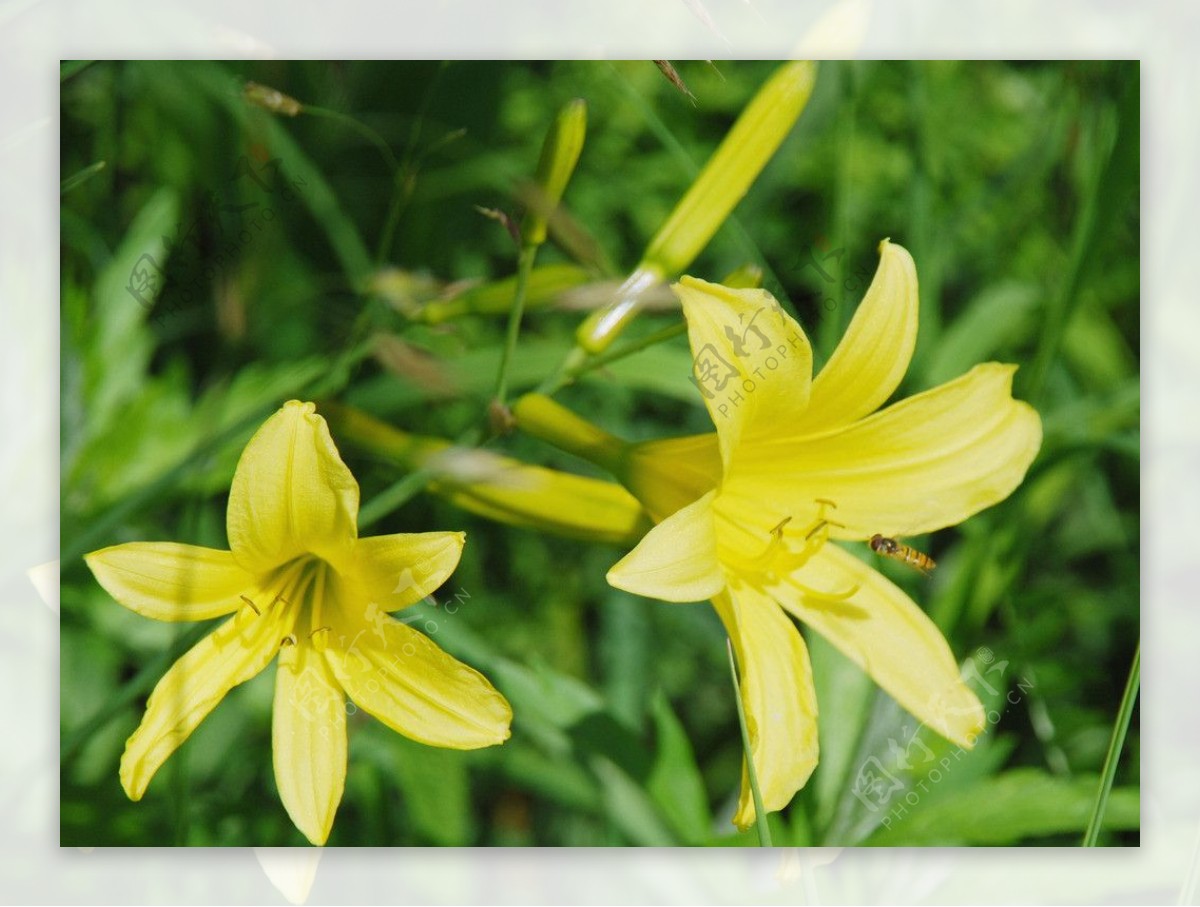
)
(560, 154)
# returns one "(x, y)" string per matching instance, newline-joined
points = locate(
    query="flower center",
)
(301, 587)
(789, 548)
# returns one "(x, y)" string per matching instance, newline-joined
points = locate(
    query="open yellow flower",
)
(301, 584)
(744, 517)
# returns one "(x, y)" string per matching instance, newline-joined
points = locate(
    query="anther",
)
(319, 630)
(778, 530)
(821, 524)
(253, 607)
(288, 640)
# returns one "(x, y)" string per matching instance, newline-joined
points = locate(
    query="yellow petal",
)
(399, 570)
(169, 581)
(778, 697)
(927, 462)
(677, 560)
(291, 493)
(402, 678)
(308, 740)
(873, 356)
(751, 361)
(883, 631)
(233, 653)
(668, 475)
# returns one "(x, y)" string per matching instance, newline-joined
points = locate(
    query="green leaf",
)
(675, 781)
(545, 702)
(629, 807)
(117, 348)
(624, 651)
(896, 755)
(436, 791)
(563, 781)
(997, 319)
(843, 690)
(1095, 350)
(1008, 808)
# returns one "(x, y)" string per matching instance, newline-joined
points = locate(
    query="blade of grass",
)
(404, 179)
(1116, 744)
(760, 814)
(82, 176)
(1114, 175)
(317, 195)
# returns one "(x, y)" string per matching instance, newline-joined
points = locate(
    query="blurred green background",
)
(1015, 187)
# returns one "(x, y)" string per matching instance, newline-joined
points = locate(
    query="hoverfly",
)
(898, 551)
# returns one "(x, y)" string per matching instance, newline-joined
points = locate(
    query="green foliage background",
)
(1015, 187)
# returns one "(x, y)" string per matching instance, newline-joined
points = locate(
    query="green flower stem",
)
(400, 188)
(545, 284)
(760, 814)
(1115, 745)
(392, 497)
(524, 266)
(580, 362)
(361, 128)
(409, 486)
(560, 153)
(580, 365)
(636, 346)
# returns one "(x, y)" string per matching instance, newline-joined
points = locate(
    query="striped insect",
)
(898, 551)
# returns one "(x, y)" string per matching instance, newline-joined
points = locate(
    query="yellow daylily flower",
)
(302, 585)
(744, 517)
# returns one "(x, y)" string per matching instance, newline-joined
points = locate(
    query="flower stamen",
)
(777, 559)
(253, 607)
